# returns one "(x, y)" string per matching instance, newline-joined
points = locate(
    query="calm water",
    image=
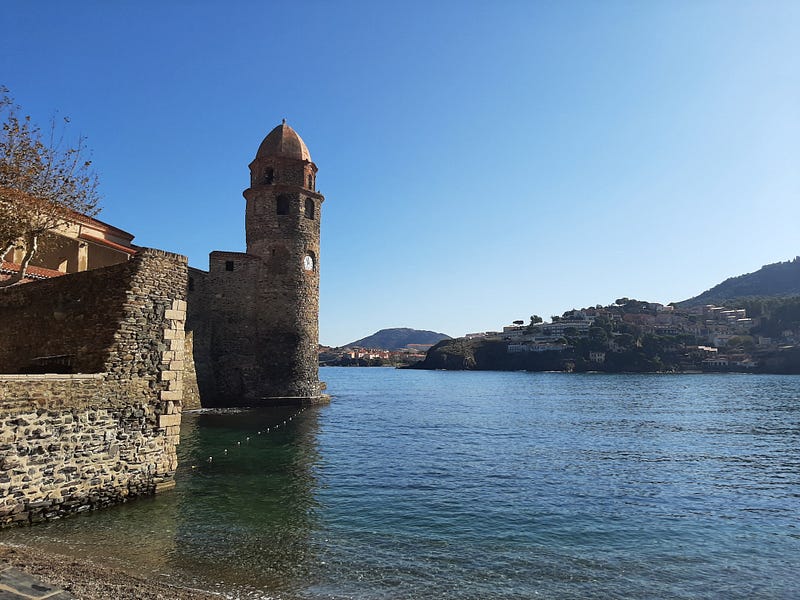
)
(416, 484)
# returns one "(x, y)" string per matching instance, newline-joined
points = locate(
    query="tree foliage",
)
(44, 180)
(773, 315)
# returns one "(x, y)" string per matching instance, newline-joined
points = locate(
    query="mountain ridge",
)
(774, 280)
(396, 338)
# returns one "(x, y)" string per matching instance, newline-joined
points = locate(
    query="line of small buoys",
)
(210, 459)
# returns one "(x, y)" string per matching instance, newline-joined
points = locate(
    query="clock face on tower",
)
(308, 263)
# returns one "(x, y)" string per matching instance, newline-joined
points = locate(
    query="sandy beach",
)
(89, 581)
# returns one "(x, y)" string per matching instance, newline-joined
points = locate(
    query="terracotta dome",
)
(283, 141)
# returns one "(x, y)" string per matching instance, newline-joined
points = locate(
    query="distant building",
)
(536, 347)
(513, 332)
(719, 361)
(422, 348)
(474, 336)
(368, 353)
(559, 328)
(597, 357)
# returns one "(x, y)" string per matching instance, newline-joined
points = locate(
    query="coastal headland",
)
(633, 336)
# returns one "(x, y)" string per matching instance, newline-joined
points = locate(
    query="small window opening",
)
(309, 208)
(282, 205)
(269, 176)
(229, 265)
(310, 182)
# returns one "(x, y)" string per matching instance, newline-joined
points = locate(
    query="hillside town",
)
(357, 356)
(649, 336)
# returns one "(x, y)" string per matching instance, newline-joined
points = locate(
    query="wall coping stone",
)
(51, 376)
(141, 251)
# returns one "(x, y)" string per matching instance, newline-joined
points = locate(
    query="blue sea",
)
(477, 485)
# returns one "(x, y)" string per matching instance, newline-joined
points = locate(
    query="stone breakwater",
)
(76, 442)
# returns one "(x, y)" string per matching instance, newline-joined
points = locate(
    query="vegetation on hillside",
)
(630, 336)
(776, 280)
(773, 315)
(397, 338)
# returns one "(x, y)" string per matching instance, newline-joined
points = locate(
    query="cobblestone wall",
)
(76, 442)
(66, 323)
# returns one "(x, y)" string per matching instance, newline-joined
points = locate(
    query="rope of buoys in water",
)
(210, 459)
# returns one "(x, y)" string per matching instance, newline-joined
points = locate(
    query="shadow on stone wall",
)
(75, 442)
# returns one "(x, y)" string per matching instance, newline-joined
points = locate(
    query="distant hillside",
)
(779, 279)
(399, 337)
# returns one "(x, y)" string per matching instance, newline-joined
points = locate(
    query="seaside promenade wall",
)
(103, 424)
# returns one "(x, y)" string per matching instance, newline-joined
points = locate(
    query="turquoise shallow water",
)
(418, 484)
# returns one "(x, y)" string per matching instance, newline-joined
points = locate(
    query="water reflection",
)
(246, 517)
(242, 521)
(418, 484)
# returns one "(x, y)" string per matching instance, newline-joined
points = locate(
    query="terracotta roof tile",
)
(31, 272)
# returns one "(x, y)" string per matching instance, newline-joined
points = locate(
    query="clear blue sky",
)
(481, 161)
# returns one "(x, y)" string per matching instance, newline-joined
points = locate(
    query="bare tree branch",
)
(43, 181)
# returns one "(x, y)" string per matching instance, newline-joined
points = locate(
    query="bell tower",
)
(282, 223)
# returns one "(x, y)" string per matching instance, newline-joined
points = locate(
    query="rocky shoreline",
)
(89, 581)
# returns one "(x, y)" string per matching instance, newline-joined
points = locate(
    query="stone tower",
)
(254, 315)
(282, 222)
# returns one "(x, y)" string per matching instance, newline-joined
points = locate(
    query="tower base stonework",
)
(254, 314)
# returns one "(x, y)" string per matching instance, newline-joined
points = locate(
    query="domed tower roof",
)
(283, 142)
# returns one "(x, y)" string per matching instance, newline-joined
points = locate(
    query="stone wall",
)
(232, 325)
(95, 321)
(191, 391)
(220, 318)
(74, 442)
(198, 326)
(66, 322)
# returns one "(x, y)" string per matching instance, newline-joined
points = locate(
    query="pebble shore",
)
(89, 581)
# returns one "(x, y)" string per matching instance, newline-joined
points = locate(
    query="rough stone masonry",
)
(254, 314)
(105, 426)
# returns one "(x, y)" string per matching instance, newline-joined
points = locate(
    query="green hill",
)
(397, 338)
(770, 281)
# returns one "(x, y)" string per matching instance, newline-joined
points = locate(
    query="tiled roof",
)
(31, 272)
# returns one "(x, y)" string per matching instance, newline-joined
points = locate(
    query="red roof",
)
(31, 272)
(110, 244)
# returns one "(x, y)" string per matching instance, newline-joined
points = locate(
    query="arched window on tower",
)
(282, 205)
(269, 176)
(309, 208)
(311, 182)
